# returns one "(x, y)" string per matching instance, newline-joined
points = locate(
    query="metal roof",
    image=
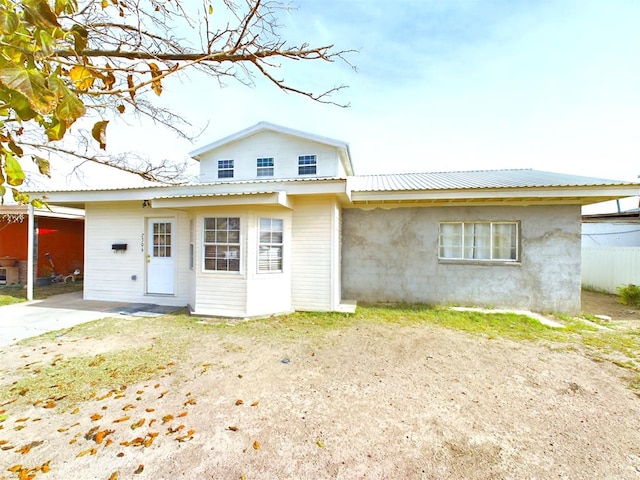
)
(478, 179)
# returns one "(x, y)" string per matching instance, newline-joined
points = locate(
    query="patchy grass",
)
(167, 339)
(17, 293)
(78, 379)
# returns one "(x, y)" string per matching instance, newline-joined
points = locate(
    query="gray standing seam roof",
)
(479, 179)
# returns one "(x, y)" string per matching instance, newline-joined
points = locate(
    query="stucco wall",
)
(392, 256)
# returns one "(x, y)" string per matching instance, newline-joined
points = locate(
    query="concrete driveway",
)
(29, 319)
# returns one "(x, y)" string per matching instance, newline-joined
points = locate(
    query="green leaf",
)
(9, 22)
(15, 175)
(66, 6)
(55, 129)
(39, 14)
(31, 84)
(70, 107)
(80, 37)
(43, 165)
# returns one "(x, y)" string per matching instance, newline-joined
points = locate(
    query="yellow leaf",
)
(167, 418)
(15, 468)
(121, 419)
(256, 445)
(138, 424)
(156, 86)
(114, 476)
(83, 453)
(82, 77)
(95, 417)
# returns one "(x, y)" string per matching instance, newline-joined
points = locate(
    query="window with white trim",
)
(265, 167)
(479, 241)
(307, 165)
(270, 245)
(225, 168)
(222, 244)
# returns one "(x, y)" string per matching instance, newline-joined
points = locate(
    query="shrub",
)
(629, 294)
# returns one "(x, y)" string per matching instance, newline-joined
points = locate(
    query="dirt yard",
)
(371, 401)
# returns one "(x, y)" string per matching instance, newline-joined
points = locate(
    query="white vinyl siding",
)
(121, 276)
(314, 272)
(285, 151)
(479, 241)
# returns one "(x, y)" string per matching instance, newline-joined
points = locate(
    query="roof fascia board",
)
(609, 192)
(275, 198)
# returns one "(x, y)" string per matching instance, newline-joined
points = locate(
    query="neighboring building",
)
(280, 223)
(59, 233)
(619, 229)
(611, 250)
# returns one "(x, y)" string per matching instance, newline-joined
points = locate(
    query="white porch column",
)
(30, 244)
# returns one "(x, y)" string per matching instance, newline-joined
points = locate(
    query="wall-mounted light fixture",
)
(146, 203)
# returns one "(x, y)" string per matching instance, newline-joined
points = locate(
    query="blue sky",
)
(446, 85)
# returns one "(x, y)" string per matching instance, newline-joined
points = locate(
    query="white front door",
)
(160, 256)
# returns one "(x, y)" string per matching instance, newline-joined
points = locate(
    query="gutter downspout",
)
(30, 245)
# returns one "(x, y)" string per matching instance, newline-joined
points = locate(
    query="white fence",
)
(606, 268)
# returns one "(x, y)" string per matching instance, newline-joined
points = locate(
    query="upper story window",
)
(307, 165)
(222, 244)
(482, 241)
(265, 167)
(225, 168)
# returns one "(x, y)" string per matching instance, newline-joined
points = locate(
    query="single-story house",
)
(279, 221)
(58, 245)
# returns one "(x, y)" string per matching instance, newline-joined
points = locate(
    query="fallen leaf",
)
(320, 443)
(83, 453)
(45, 468)
(149, 410)
(183, 414)
(233, 428)
(15, 468)
(121, 419)
(139, 469)
(24, 419)
(167, 418)
(114, 476)
(255, 404)
(138, 424)
(128, 407)
(256, 445)
(191, 401)
(101, 435)
(75, 411)
(95, 417)
(120, 454)
(239, 402)
(24, 449)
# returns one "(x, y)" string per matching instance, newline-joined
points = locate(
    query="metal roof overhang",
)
(500, 196)
(223, 199)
